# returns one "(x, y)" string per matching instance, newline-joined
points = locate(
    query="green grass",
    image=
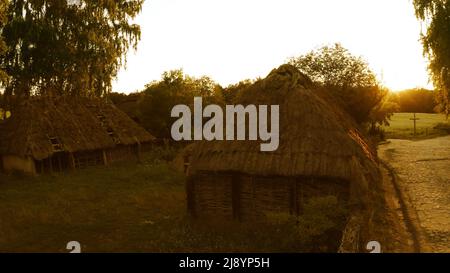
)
(99, 207)
(426, 127)
(131, 208)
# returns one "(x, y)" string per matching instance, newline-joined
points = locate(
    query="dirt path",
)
(423, 169)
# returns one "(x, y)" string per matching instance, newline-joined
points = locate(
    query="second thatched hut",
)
(52, 134)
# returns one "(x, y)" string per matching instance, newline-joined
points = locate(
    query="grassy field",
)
(428, 125)
(130, 208)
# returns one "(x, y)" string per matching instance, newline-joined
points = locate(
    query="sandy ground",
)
(423, 170)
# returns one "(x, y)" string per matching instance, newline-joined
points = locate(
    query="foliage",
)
(4, 114)
(323, 216)
(442, 126)
(162, 153)
(174, 88)
(436, 43)
(117, 98)
(381, 116)
(319, 227)
(3, 20)
(230, 93)
(67, 47)
(128, 103)
(335, 66)
(414, 101)
(349, 80)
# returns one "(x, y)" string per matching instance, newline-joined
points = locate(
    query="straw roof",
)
(79, 124)
(317, 139)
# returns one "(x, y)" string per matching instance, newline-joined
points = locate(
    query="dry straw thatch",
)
(79, 124)
(317, 140)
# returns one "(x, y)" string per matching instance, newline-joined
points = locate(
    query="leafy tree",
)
(3, 76)
(174, 88)
(335, 66)
(436, 43)
(3, 47)
(128, 103)
(231, 92)
(70, 47)
(415, 101)
(381, 115)
(349, 80)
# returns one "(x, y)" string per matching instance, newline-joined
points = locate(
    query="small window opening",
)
(56, 143)
(113, 135)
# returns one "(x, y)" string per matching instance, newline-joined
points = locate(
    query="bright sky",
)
(232, 40)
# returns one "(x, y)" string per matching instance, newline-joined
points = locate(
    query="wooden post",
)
(300, 194)
(294, 197)
(235, 195)
(186, 163)
(71, 161)
(105, 158)
(138, 150)
(59, 163)
(190, 196)
(414, 119)
(33, 168)
(50, 164)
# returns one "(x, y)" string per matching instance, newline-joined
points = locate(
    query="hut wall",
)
(260, 196)
(63, 161)
(88, 159)
(316, 187)
(17, 163)
(250, 198)
(67, 161)
(147, 146)
(247, 195)
(272, 194)
(122, 153)
(212, 196)
(58, 162)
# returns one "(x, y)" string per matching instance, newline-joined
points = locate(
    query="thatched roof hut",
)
(321, 152)
(43, 128)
